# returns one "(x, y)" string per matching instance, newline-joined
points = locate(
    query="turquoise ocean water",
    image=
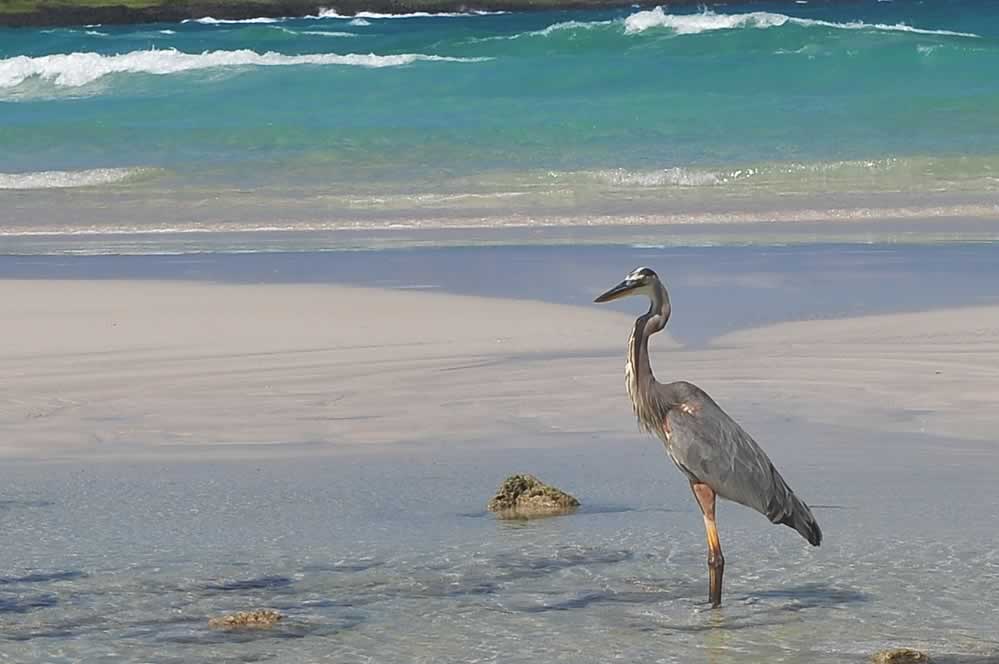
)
(757, 111)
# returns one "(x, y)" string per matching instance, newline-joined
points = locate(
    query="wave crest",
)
(692, 24)
(68, 179)
(325, 33)
(378, 15)
(332, 13)
(706, 21)
(546, 32)
(208, 20)
(77, 69)
(677, 177)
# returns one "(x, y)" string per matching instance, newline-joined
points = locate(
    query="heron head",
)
(641, 281)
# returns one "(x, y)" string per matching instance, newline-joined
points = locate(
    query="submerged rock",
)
(900, 656)
(525, 496)
(259, 619)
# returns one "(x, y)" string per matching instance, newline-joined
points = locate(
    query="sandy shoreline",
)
(131, 369)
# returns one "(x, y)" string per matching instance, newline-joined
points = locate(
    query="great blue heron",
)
(716, 455)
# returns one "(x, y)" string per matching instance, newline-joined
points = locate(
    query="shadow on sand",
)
(809, 595)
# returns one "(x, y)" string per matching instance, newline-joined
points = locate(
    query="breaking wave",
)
(678, 177)
(314, 33)
(710, 21)
(77, 69)
(67, 179)
(326, 33)
(332, 13)
(555, 27)
(885, 174)
(706, 21)
(208, 20)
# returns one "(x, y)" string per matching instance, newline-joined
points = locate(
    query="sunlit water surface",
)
(390, 558)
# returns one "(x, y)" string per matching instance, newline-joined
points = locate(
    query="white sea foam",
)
(678, 177)
(208, 20)
(76, 69)
(569, 25)
(94, 33)
(332, 13)
(359, 22)
(555, 27)
(168, 32)
(377, 15)
(326, 33)
(694, 177)
(692, 24)
(325, 13)
(66, 179)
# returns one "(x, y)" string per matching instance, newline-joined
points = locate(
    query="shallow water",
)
(714, 290)
(392, 558)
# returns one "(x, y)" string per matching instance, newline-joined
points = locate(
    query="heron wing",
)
(712, 448)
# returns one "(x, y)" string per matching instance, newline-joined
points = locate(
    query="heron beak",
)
(621, 290)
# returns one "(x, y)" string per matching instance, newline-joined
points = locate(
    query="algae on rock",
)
(258, 619)
(524, 496)
(899, 656)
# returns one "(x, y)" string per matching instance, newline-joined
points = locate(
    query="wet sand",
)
(114, 369)
(132, 368)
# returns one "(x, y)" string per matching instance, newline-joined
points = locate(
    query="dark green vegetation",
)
(20, 13)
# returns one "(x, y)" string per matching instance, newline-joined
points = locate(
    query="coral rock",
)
(261, 618)
(899, 656)
(524, 496)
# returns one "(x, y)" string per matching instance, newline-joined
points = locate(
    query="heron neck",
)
(653, 321)
(640, 376)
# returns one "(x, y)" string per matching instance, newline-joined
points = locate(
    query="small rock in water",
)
(525, 496)
(900, 656)
(259, 619)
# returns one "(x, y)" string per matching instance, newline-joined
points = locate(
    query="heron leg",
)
(705, 496)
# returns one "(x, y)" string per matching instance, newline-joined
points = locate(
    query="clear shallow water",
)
(492, 119)
(389, 557)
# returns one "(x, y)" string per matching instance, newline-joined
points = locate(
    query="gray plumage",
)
(710, 447)
(702, 440)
